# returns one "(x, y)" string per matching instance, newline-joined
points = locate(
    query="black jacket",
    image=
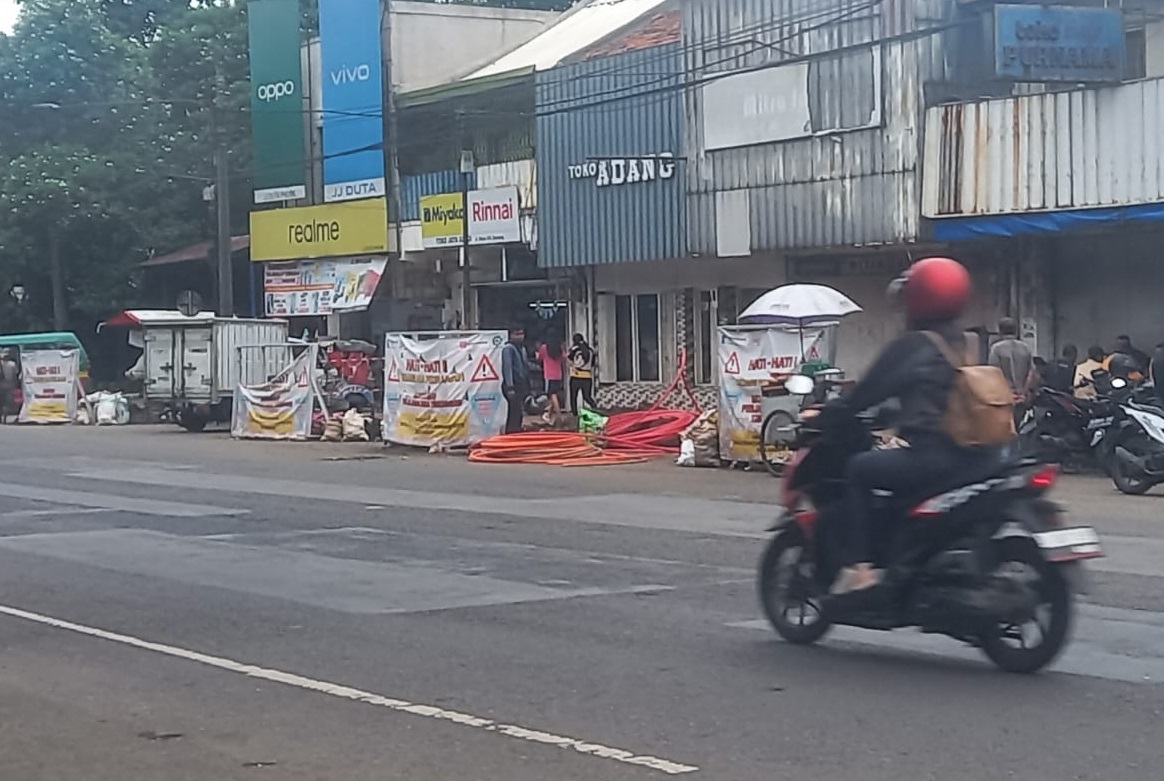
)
(914, 371)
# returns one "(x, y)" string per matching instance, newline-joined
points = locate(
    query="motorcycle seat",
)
(1153, 409)
(999, 465)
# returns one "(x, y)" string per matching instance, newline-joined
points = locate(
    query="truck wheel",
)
(192, 422)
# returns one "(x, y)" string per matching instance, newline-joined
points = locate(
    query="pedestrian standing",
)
(552, 357)
(1016, 361)
(9, 374)
(1061, 375)
(1084, 383)
(514, 379)
(581, 358)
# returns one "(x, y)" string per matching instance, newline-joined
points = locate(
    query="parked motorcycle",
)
(986, 559)
(1062, 429)
(1137, 463)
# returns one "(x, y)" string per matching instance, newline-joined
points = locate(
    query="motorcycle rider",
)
(916, 372)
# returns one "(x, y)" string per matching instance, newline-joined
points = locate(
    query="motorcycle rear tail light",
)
(1044, 478)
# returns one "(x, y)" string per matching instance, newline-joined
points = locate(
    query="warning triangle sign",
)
(485, 372)
(393, 373)
(733, 364)
(813, 353)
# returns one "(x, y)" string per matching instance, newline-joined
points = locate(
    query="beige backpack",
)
(980, 411)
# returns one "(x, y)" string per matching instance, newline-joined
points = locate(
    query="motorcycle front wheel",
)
(1031, 646)
(1121, 474)
(789, 592)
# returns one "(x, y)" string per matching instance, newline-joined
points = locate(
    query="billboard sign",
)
(494, 218)
(325, 231)
(321, 287)
(1038, 43)
(353, 100)
(277, 118)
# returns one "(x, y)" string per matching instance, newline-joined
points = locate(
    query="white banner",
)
(494, 216)
(49, 381)
(320, 287)
(279, 409)
(443, 389)
(749, 360)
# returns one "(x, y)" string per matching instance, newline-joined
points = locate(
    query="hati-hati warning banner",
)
(443, 389)
(49, 383)
(749, 360)
(279, 409)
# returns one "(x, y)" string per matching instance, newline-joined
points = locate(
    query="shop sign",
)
(331, 230)
(1058, 43)
(50, 384)
(614, 171)
(353, 121)
(320, 287)
(443, 391)
(494, 218)
(276, 100)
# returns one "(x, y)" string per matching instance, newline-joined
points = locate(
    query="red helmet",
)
(934, 289)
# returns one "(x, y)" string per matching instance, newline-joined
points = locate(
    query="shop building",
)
(1067, 183)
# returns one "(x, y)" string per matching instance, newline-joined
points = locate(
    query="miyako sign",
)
(353, 100)
(276, 100)
(494, 218)
(328, 231)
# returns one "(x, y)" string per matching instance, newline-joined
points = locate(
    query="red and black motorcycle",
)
(986, 559)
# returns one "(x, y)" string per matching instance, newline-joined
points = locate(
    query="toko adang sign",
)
(625, 170)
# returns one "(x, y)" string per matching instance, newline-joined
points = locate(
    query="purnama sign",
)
(276, 100)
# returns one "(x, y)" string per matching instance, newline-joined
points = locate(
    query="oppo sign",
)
(276, 90)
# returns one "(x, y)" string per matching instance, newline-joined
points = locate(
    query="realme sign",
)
(328, 231)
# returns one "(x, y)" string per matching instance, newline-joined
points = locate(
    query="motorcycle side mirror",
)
(799, 385)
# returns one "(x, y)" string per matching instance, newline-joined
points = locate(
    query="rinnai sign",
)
(1038, 43)
(494, 218)
(625, 170)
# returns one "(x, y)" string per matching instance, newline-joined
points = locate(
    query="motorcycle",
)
(982, 559)
(1060, 428)
(1137, 463)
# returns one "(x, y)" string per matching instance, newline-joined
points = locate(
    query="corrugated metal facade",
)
(521, 174)
(625, 106)
(1066, 150)
(415, 187)
(840, 188)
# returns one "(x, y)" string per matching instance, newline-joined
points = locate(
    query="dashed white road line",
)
(514, 731)
(56, 511)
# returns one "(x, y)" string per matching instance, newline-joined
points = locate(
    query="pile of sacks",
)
(348, 426)
(699, 442)
(104, 409)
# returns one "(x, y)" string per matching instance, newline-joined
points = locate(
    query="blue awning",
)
(1010, 225)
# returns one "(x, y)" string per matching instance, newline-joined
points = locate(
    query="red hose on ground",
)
(656, 431)
(554, 448)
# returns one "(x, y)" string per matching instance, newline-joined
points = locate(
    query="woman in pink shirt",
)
(552, 356)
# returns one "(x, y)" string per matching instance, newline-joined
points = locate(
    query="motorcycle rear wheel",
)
(1054, 597)
(789, 592)
(1126, 482)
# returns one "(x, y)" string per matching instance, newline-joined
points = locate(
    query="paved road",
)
(186, 607)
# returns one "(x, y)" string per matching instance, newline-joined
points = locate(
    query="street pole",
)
(466, 169)
(222, 234)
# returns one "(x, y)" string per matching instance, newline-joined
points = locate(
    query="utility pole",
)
(225, 270)
(466, 275)
(392, 156)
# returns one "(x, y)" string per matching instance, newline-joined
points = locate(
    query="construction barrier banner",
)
(279, 409)
(749, 359)
(443, 389)
(50, 384)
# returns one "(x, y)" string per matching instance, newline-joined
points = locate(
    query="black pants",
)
(515, 414)
(585, 386)
(907, 470)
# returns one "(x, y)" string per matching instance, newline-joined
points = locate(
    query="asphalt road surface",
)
(178, 606)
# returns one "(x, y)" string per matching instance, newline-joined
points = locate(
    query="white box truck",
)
(192, 363)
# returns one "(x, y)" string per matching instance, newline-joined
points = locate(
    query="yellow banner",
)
(442, 220)
(327, 231)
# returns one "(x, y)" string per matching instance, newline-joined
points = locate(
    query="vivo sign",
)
(346, 75)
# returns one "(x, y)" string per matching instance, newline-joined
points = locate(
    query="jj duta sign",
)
(1048, 43)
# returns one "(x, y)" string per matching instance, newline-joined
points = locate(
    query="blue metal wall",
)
(413, 188)
(624, 106)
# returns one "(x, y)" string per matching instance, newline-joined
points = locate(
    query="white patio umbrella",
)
(798, 305)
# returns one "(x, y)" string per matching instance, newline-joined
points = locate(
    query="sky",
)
(7, 15)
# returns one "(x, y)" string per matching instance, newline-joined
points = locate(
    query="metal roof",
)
(582, 26)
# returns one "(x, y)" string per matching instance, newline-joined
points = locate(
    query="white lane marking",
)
(57, 511)
(356, 695)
